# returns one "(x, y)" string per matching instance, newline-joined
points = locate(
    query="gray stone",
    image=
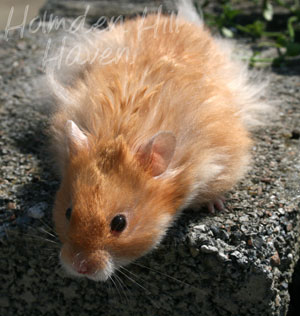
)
(209, 249)
(37, 211)
(92, 10)
(236, 277)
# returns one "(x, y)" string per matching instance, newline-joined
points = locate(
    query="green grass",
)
(273, 24)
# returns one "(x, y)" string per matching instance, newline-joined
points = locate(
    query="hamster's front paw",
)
(216, 205)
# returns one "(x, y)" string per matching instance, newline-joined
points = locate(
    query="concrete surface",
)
(239, 262)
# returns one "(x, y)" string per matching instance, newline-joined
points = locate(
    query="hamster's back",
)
(163, 74)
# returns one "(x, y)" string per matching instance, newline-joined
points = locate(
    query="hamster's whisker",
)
(82, 263)
(125, 287)
(40, 230)
(48, 226)
(49, 249)
(134, 281)
(113, 284)
(164, 274)
(42, 238)
(51, 241)
(47, 232)
(77, 255)
(73, 261)
(51, 258)
(128, 271)
(139, 277)
(109, 286)
(116, 286)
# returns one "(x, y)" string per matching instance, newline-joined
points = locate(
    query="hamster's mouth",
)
(80, 267)
(97, 275)
(98, 265)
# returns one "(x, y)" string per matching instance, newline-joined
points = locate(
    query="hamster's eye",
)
(68, 213)
(118, 223)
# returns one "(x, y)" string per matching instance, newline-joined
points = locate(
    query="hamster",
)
(152, 118)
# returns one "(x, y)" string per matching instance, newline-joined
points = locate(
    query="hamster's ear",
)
(76, 139)
(157, 153)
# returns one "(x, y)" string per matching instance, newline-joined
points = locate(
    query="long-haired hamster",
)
(152, 116)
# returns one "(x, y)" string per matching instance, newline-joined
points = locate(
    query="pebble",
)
(281, 211)
(201, 228)
(37, 211)
(11, 206)
(244, 218)
(236, 254)
(278, 301)
(224, 235)
(275, 259)
(222, 256)
(208, 249)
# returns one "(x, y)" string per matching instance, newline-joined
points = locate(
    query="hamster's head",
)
(112, 206)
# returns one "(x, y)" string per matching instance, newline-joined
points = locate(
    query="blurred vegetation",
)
(268, 23)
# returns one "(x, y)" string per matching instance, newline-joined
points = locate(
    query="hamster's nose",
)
(82, 265)
(83, 269)
(90, 264)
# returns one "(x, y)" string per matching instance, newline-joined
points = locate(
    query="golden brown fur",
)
(172, 78)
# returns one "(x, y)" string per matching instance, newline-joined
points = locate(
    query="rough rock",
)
(94, 9)
(238, 262)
